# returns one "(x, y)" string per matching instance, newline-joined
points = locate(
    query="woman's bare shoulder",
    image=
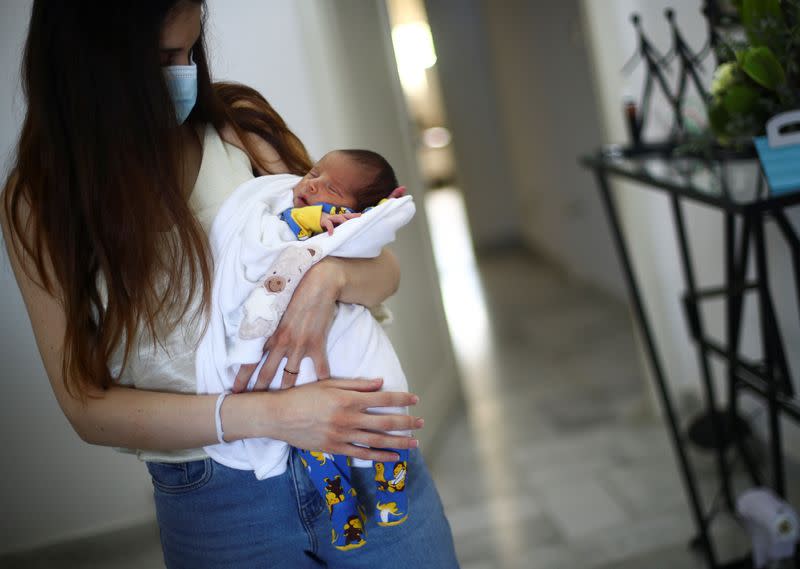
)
(261, 151)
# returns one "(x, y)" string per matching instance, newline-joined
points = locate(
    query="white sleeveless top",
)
(170, 365)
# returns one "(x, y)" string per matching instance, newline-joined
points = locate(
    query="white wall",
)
(647, 218)
(335, 88)
(547, 108)
(473, 116)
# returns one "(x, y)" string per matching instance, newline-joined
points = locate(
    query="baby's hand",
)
(328, 221)
(398, 192)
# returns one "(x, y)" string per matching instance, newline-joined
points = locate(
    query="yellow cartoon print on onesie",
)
(353, 532)
(322, 457)
(396, 484)
(387, 510)
(334, 493)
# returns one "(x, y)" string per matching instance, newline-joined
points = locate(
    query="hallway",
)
(560, 462)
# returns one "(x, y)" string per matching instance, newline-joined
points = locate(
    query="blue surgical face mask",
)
(182, 83)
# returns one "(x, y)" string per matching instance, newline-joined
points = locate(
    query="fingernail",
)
(420, 422)
(414, 443)
(414, 399)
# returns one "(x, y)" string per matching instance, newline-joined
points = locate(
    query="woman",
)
(123, 158)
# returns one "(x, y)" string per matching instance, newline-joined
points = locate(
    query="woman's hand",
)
(330, 416)
(303, 330)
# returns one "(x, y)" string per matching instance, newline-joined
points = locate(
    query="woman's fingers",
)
(291, 371)
(364, 453)
(243, 377)
(392, 423)
(321, 366)
(364, 385)
(270, 368)
(388, 399)
(274, 357)
(382, 440)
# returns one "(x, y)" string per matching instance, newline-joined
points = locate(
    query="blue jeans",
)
(212, 516)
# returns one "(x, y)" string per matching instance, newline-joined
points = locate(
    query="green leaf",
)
(740, 99)
(755, 11)
(761, 65)
(761, 18)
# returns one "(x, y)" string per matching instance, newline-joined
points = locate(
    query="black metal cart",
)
(745, 211)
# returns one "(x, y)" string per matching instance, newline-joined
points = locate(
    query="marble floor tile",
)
(580, 505)
(508, 543)
(570, 418)
(646, 490)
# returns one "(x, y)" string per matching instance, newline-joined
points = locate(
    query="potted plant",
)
(758, 75)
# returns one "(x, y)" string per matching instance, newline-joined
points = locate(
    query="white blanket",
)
(246, 238)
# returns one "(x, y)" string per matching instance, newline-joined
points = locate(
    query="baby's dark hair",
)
(382, 184)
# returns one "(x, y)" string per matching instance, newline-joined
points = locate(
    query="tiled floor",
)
(557, 461)
(560, 462)
(580, 474)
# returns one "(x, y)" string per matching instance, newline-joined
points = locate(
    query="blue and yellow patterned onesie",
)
(331, 477)
(330, 474)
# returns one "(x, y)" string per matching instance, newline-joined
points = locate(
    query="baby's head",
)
(355, 179)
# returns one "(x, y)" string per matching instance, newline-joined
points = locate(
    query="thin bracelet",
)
(218, 418)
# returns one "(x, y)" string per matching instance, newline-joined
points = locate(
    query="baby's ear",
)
(398, 192)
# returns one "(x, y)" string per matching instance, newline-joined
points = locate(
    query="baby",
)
(341, 186)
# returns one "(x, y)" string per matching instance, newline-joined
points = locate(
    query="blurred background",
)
(543, 430)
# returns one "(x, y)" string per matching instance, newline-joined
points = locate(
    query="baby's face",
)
(335, 179)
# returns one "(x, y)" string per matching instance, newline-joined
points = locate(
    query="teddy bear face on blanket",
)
(265, 306)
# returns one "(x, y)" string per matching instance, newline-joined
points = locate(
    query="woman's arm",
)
(327, 416)
(364, 281)
(303, 330)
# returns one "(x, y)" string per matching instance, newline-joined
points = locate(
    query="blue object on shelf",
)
(779, 153)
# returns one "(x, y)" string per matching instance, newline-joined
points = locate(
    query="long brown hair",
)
(99, 169)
